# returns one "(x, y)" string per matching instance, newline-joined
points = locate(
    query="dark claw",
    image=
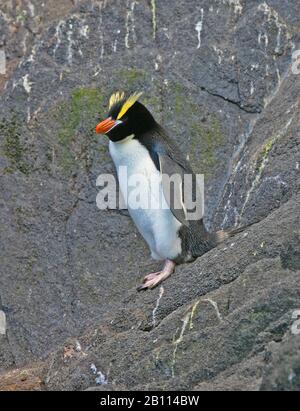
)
(142, 288)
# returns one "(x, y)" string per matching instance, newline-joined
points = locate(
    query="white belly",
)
(153, 219)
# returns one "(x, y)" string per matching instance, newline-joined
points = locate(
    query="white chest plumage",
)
(155, 222)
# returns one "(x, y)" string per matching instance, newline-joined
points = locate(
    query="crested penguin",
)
(139, 143)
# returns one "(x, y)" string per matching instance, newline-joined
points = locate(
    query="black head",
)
(125, 118)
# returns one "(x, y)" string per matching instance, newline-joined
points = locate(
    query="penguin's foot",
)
(152, 280)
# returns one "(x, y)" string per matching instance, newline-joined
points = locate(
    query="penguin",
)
(139, 143)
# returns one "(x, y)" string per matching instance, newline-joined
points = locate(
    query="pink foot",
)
(152, 280)
(151, 276)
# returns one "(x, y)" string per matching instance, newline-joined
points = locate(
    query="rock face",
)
(219, 75)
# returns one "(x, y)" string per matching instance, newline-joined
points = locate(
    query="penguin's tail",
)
(223, 235)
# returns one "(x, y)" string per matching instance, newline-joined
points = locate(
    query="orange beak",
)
(105, 126)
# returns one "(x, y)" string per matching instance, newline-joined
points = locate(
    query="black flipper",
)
(173, 192)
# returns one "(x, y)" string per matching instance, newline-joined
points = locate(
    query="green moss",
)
(13, 147)
(82, 107)
(203, 131)
(268, 146)
(205, 141)
(258, 317)
(30, 262)
(179, 99)
(22, 16)
(154, 104)
(182, 102)
(132, 77)
(265, 151)
(178, 96)
(79, 114)
(264, 154)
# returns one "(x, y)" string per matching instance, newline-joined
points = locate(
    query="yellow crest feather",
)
(115, 98)
(128, 103)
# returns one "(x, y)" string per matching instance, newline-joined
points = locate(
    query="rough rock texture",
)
(218, 75)
(26, 379)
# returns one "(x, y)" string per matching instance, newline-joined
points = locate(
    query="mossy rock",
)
(132, 78)
(203, 131)
(204, 144)
(13, 147)
(74, 133)
(264, 154)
